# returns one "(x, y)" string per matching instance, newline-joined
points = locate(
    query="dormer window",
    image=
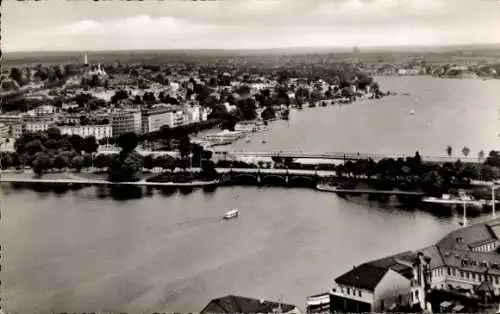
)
(473, 263)
(484, 264)
(460, 240)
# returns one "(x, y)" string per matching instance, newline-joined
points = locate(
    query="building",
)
(236, 304)
(9, 119)
(464, 263)
(195, 114)
(4, 130)
(37, 123)
(373, 287)
(97, 131)
(249, 126)
(178, 119)
(124, 121)
(43, 110)
(154, 119)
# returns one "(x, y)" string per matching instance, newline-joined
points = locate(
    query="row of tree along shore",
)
(48, 150)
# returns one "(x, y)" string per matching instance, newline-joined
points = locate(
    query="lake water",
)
(447, 112)
(76, 252)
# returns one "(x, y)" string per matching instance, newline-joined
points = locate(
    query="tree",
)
(127, 141)
(268, 113)
(101, 161)
(16, 75)
(77, 163)
(119, 95)
(148, 162)
(465, 151)
(41, 163)
(90, 144)
(184, 147)
(449, 150)
(61, 161)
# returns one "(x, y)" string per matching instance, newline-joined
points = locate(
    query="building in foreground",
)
(236, 304)
(463, 267)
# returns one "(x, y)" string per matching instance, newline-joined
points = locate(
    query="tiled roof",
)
(366, 276)
(471, 234)
(237, 304)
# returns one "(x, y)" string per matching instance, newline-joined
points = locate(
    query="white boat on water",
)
(412, 112)
(447, 199)
(233, 213)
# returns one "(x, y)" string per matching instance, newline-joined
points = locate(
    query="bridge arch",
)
(245, 178)
(273, 178)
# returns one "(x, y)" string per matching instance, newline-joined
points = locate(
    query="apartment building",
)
(127, 120)
(154, 119)
(98, 131)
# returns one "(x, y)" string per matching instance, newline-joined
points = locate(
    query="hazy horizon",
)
(246, 24)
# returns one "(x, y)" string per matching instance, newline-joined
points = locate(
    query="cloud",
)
(266, 23)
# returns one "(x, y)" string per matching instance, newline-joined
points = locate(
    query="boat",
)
(447, 199)
(412, 112)
(233, 213)
(247, 139)
(326, 187)
(224, 138)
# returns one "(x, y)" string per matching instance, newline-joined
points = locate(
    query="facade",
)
(37, 124)
(249, 126)
(43, 110)
(154, 119)
(16, 130)
(126, 121)
(98, 131)
(236, 304)
(4, 130)
(371, 287)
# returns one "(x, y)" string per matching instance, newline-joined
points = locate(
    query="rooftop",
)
(238, 304)
(365, 276)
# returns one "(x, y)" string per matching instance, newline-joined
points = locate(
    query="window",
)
(348, 291)
(359, 293)
(467, 275)
(496, 280)
(462, 274)
(454, 272)
(449, 271)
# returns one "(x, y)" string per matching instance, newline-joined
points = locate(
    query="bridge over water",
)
(338, 156)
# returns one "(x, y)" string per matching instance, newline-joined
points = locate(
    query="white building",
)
(154, 119)
(37, 124)
(98, 131)
(124, 121)
(43, 110)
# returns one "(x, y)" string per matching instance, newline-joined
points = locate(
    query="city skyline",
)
(236, 24)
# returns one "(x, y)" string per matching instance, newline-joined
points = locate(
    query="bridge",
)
(338, 156)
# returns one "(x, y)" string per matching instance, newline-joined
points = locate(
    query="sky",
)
(245, 24)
